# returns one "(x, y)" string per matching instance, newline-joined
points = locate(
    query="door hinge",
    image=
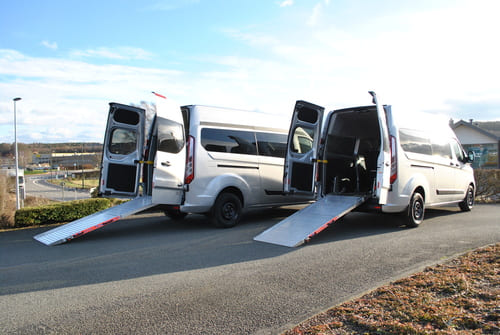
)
(144, 162)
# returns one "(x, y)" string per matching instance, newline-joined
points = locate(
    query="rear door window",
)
(123, 141)
(170, 136)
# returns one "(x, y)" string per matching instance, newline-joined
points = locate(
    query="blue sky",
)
(68, 59)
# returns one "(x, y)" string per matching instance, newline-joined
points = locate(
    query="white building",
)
(483, 138)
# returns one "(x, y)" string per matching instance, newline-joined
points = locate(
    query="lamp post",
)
(17, 158)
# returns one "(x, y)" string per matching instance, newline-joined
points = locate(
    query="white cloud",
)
(118, 53)
(317, 12)
(60, 95)
(50, 45)
(286, 3)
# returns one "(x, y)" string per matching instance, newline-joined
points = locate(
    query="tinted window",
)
(170, 136)
(126, 116)
(414, 141)
(308, 115)
(224, 140)
(272, 144)
(123, 141)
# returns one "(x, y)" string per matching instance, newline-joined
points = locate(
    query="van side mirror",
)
(470, 156)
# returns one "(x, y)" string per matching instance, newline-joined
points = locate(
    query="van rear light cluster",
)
(394, 160)
(189, 174)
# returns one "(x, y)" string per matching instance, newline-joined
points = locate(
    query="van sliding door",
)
(123, 149)
(302, 149)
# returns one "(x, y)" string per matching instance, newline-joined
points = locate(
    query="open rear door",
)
(123, 150)
(170, 158)
(384, 158)
(302, 149)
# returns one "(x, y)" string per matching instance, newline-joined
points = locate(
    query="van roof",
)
(238, 117)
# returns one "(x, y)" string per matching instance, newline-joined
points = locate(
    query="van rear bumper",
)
(372, 205)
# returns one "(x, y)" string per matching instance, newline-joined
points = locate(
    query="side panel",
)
(302, 149)
(384, 159)
(122, 152)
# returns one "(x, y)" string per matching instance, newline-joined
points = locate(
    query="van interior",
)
(352, 145)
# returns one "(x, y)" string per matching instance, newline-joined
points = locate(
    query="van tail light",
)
(394, 160)
(189, 174)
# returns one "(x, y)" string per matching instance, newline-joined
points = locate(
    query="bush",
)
(488, 185)
(60, 212)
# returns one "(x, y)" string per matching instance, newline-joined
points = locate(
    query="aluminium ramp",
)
(301, 226)
(94, 221)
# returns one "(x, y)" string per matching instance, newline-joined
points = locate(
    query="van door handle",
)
(167, 163)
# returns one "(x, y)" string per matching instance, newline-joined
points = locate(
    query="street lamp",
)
(17, 158)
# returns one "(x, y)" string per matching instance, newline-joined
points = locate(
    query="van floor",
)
(350, 173)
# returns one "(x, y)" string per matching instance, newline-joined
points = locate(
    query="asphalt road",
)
(150, 275)
(37, 185)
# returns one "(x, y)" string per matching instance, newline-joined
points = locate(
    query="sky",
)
(68, 59)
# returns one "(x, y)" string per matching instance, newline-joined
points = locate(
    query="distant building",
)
(483, 138)
(67, 160)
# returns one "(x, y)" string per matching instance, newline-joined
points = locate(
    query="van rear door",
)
(170, 158)
(302, 149)
(122, 152)
(384, 158)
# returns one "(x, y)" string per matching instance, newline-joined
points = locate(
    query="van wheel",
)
(226, 211)
(175, 214)
(416, 211)
(468, 202)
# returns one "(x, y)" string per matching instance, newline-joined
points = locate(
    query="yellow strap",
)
(147, 162)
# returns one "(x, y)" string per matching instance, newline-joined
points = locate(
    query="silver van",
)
(396, 164)
(369, 158)
(197, 159)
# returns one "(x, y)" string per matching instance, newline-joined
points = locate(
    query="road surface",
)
(151, 275)
(38, 186)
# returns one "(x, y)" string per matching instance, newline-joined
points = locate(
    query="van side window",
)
(232, 141)
(414, 141)
(273, 145)
(441, 148)
(123, 141)
(170, 136)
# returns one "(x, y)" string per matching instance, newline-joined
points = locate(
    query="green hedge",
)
(60, 212)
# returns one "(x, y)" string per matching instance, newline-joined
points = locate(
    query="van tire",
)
(416, 210)
(468, 202)
(226, 211)
(175, 214)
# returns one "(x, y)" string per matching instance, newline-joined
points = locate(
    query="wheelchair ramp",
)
(94, 221)
(301, 226)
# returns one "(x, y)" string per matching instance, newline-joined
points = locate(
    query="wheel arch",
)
(234, 190)
(228, 182)
(417, 183)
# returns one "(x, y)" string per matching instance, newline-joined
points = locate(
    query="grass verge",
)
(461, 296)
